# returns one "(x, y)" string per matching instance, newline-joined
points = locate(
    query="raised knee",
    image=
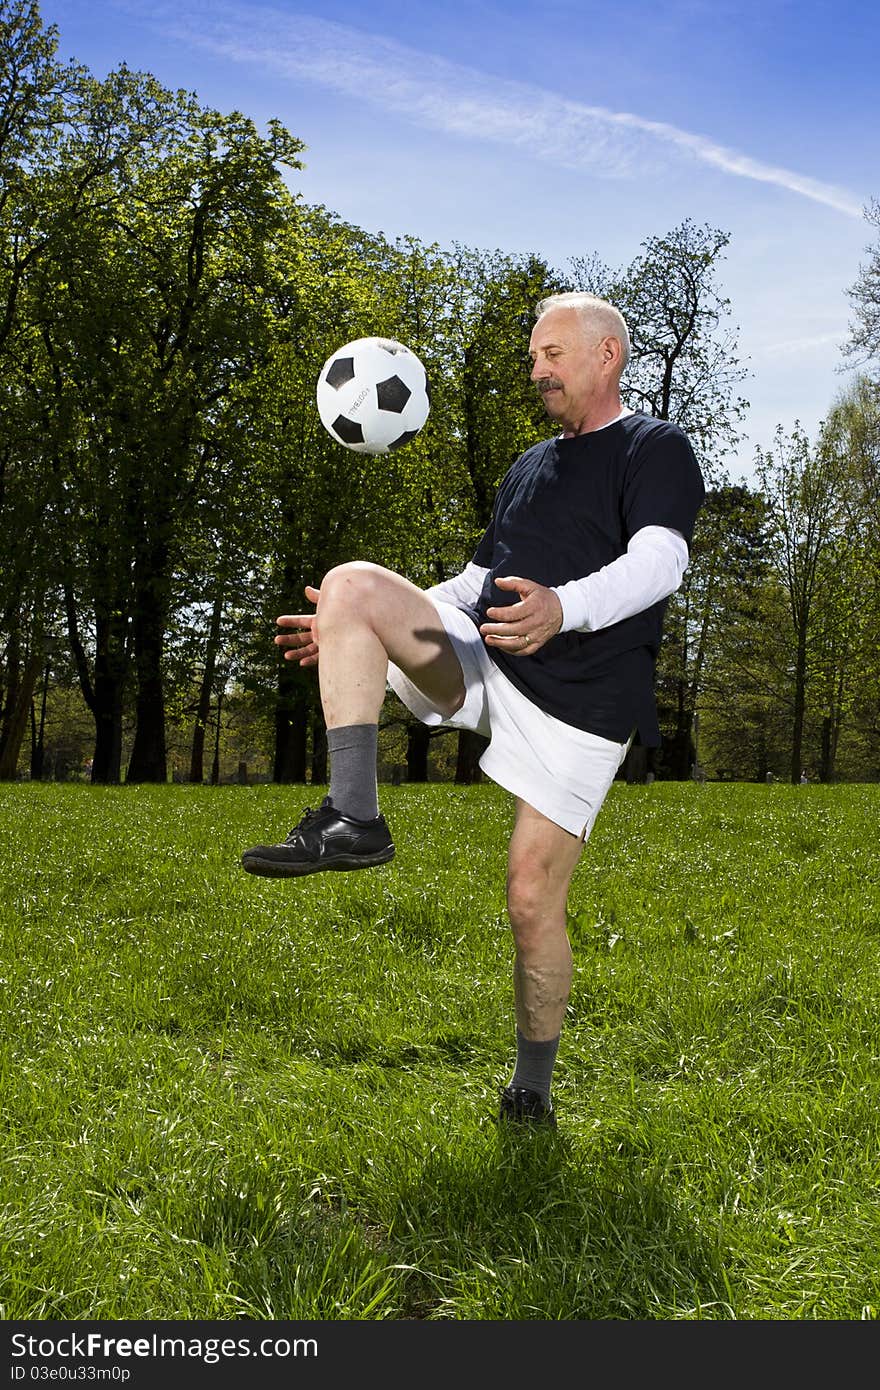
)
(352, 582)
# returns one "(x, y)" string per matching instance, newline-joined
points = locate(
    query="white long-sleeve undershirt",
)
(651, 569)
(462, 590)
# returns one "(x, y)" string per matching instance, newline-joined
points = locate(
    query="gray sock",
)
(352, 750)
(534, 1064)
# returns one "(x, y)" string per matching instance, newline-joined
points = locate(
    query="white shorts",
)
(561, 771)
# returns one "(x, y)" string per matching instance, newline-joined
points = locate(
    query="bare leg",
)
(366, 616)
(541, 860)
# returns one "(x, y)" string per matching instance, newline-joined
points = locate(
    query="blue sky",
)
(564, 129)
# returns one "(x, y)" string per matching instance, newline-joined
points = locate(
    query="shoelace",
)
(307, 815)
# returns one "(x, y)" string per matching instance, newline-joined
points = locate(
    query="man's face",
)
(567, 365)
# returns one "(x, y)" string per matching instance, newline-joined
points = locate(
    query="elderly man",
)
(546, 643)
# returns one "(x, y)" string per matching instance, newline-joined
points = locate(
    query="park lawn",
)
(237, 1098)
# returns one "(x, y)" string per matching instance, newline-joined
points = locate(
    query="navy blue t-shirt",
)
(564, 509)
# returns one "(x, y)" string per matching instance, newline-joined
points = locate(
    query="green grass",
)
(236, 1098)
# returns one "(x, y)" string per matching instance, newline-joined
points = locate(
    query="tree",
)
(150, 312)
(864, 342)
(850, 613)
(726, 570)
(59, 141)
(803, 490)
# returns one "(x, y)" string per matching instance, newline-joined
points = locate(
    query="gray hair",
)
(595, 313)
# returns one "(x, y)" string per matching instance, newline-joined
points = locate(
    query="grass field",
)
(237, 1098)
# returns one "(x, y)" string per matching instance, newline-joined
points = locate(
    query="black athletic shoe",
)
(324, 839)
(521, 1106)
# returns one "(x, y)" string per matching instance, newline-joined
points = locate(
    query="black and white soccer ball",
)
(373, 395)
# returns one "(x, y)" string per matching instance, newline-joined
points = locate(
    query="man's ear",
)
(611, 351)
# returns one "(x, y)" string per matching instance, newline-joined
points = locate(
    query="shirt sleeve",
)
(663, 485)
(462, 590)
(652, 569)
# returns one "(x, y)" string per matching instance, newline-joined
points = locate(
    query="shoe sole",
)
(271, 868)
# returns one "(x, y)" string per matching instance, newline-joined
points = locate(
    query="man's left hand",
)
(522, 628)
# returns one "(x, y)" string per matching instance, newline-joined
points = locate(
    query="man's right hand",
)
(300, 638)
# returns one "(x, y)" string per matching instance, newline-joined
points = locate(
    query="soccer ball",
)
(373, 395)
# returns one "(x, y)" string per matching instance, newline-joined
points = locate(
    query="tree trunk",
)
(418, 737)
(13, 683)
(291, 726)
(800, 704)
(38, 730)
(197, 750)
(290, 747)
(203, 708)
(107, 711)
(215, 765)
(148, 761)
(105, 698)
(763, 760)
(471, 747)
(826, 765)
(831, 727)
(17, 717)
(683, 743)
(635, 764)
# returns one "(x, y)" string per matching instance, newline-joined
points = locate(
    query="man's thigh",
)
(409, 627)
(542, 848)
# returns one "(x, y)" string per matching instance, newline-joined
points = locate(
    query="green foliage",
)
(864, 341)
(166, 488)
(714, 606)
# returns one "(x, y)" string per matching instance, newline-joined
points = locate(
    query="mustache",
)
(549, 383)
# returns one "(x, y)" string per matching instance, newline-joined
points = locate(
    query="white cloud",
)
(461, 101)
(794, 347)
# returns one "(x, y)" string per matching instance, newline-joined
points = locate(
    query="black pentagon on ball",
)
(349, 431)
(340, 372)
(402, 439)
(392, 394)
